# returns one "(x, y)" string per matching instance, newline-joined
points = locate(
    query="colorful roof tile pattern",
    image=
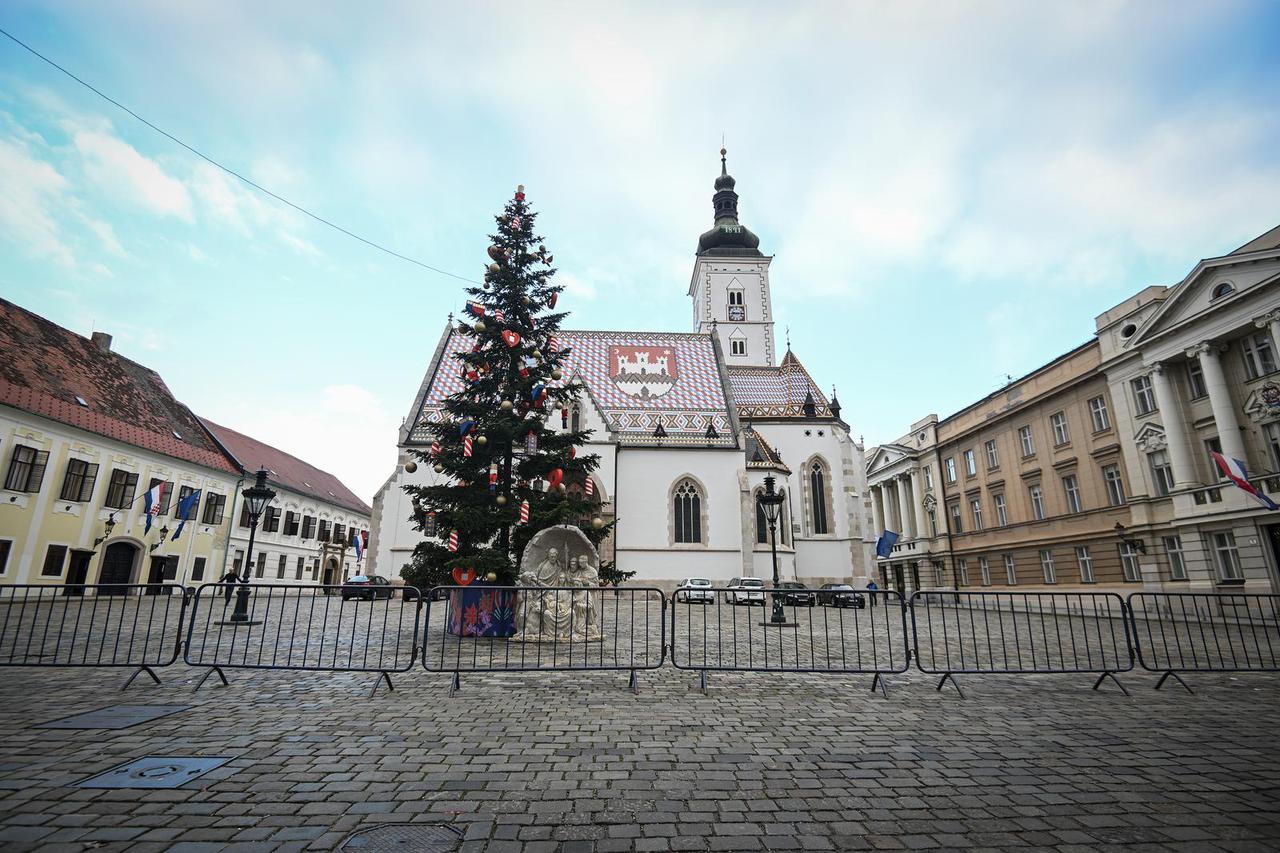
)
(635, 379)
(761, 454)
(776, 392)
(287, 471)
(44, 368)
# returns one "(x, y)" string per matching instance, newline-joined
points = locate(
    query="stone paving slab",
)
(573, 761)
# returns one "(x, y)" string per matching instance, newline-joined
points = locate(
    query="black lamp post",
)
(256, 498)
(771, 503)
(107, 527)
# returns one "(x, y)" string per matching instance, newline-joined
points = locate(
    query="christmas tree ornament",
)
(494, 269)
(536, 392)
(465, 426)
(466, 445)
(493, 477)
(597, 522)
(552, 344)
(492, 577)
(439, 469)
(471, 375)
(531, 443)
(564, 417)
(562, 488)
(435, 448)
(542, 250)
(411, 466)
(480, 327)
(506, 405)
(520, 192)
(475, 309)
(573, 452)
(555, 477)
(502, 500)
(556, 374)
(453, 542)
(482, 440)
(496, 253)
(551, 300)
(512, 338)
(524, 511)
(429, 525)
(525, 300)
(590, 487)
(499, 317)
(463, 577)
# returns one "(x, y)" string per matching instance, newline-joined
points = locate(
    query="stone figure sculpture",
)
(559, 579)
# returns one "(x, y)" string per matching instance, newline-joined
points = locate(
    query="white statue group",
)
(560, 595)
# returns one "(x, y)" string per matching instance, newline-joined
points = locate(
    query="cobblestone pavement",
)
(575, 762)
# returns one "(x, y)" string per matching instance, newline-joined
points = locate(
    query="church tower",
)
(730, 284)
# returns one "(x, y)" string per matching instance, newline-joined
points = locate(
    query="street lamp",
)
(164, 534)
(107, 527)
(771, 504)
(256, 498)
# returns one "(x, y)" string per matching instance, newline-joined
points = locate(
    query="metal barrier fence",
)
(314, 628)
(1205, 632)
(111, 625)
(516, 629)
(716, 629)
(1021, 633)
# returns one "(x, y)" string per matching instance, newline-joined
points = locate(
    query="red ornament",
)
(590, 487)
(493, 477)
(510, 337)
(551, 303)
(564, 417)
(463, 577)
(524, 511)
(466, 445)
(453, 542)
(435, 448)
(555, 477)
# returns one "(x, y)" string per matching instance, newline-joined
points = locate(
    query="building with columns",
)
(687, 425)
(902, 478)
(1192, 370)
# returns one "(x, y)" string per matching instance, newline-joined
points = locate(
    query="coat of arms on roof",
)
(644, 372)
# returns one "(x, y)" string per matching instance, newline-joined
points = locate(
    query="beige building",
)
(84, 433)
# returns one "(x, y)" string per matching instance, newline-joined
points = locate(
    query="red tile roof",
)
(776, 392)
(288, 472)
(44, 368)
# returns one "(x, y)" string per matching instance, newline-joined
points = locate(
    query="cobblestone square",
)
(574, 761)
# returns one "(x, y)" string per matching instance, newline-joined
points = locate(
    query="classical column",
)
(917, 500)
(877, 508)
(908, 516)
(1224, 411)
(892, 518)
(1175, 431)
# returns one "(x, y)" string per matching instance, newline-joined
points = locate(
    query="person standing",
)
(871, 591)
(230, 579)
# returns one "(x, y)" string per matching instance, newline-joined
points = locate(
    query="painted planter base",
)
(482, 610)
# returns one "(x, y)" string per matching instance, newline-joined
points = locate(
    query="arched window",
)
(687, 508)
(1222, 290)
(762, 524)
(819, 480)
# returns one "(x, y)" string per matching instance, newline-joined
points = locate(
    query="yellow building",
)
(84, 434)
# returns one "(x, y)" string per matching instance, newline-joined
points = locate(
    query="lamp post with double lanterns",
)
(256, 498)
(771, 503)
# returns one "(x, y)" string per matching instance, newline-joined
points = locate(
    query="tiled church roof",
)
(44, 368)
(761, 454)
(776, 392)
(684, 392)
(287, 471)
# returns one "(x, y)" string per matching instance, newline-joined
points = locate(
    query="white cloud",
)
(120, 169)
(575, 286)
(31, 194)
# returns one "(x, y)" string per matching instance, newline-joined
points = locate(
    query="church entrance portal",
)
(117, 567)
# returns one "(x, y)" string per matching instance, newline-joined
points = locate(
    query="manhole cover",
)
(154, 771)
(403, 838)
(114, 717)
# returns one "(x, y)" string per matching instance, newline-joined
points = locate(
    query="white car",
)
(695, 589)
(745, 591)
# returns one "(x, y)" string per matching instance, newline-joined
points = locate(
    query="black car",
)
(795, 594)
(840, 595)
(368, 587)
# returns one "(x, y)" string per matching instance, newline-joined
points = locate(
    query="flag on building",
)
(884, 545)
(1233, 470)
(186, 508)
(151, 501)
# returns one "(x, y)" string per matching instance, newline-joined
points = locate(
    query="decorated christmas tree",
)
(509, 465)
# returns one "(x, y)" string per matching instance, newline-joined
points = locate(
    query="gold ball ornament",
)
(495, 252)
(506, 405)
(411, 466)
(494, 269)
(439, 469)
(597, 523)
(481, 440)
(480, 326)
(502, 500)
(556, 374)
(562, 488)
(526, 300)
(491, 577)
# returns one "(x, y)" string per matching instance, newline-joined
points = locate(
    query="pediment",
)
(1263, 403)
(1150, 437)
(1195, 295)
(886, 455)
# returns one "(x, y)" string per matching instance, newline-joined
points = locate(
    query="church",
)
(687, 426)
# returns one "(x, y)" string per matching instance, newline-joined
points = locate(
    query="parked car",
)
(697, 590)
(368, 587)
(840, 595)
(745, 591)
(795, 593)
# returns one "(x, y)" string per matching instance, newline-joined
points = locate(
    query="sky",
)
(952, 191)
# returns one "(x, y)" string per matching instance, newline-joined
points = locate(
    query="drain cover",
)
(404, 838)
(154, 771)
(114, 717)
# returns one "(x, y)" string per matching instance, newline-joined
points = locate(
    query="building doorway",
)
(77, 572)
(330, 575)
(915, 576)
(156, 576)
(117, 568)
(897, 579)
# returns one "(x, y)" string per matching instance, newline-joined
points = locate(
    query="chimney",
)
(102, 341)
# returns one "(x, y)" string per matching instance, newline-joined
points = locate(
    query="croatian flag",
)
(186, 507)
(358, 544)
(884, 545)
(1233, 470)
(151, 500)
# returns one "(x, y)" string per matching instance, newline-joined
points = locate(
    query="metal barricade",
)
(484, 628)
(313, 628)
(970, 632)
(717, 629)
(87, 625)
(1205, 632)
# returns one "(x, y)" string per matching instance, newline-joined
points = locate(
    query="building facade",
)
(84, 434)
(687, 426)
(305, 534)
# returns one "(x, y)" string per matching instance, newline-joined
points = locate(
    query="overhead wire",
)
(229, 170)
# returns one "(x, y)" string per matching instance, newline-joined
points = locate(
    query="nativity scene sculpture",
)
(560, 599)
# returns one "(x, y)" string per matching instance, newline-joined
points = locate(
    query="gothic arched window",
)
(819, 508)
(687, 510)
(762, 525)
(575, 420)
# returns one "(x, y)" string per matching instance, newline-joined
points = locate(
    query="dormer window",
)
(80, 401)
(1226, 288)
